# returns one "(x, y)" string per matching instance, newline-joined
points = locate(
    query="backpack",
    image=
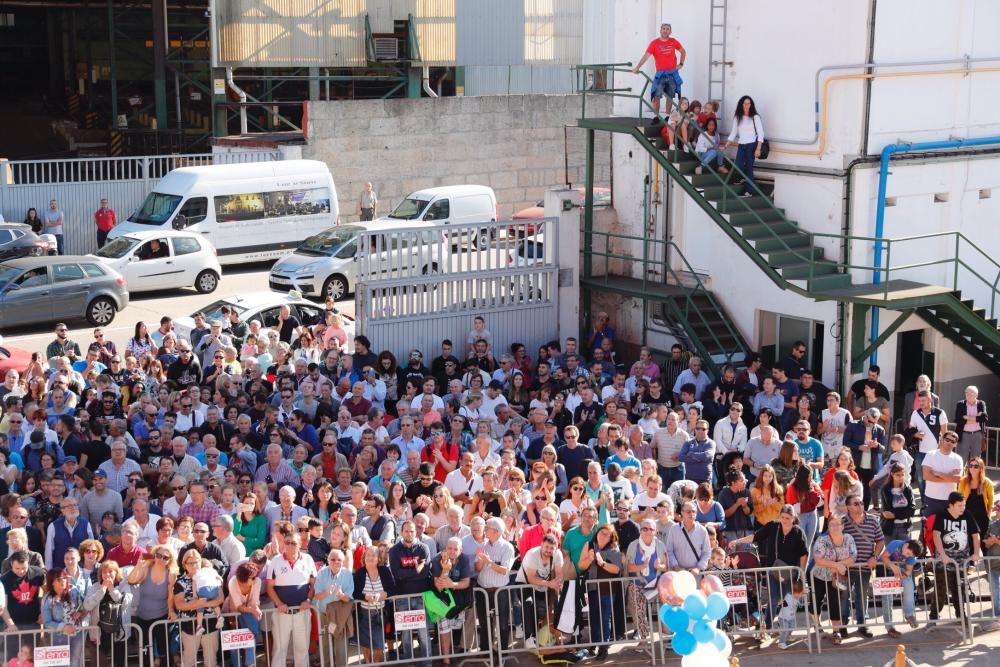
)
(110, 616)
(928, 534)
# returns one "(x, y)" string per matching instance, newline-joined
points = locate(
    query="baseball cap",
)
(37, 440)
(70, 459)
(100, 473)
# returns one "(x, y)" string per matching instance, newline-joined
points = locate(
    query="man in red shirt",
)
(105, 219)
(439, 453)
(667, 80)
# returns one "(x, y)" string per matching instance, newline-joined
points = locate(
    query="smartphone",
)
(148, 556)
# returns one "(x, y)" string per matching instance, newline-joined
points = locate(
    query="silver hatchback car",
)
(47, 289)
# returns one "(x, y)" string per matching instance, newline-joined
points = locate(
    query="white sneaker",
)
(530, 643)
(332, 629)
(519, 632)
(783, 646)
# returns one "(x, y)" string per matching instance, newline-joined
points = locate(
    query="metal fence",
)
(79, 184)
(88, 646)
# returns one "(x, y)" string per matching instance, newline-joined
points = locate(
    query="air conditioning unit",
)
(386, 48)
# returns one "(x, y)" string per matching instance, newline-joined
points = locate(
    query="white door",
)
(187, 255)
(151, 267)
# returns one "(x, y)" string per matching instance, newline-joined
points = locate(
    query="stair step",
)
(794, 256)
(740, 204)
(769, 230)
(829, 282)
(768, 215)
(803, 270)
(796, 240)
(651, 130)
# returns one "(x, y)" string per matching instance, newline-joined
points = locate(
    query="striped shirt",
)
(866, 535)
(666, 446)
(292, 580)
(500, 552)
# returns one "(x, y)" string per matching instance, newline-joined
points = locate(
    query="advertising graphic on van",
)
(277, 204)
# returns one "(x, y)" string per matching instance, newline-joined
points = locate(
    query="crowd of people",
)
(183, 477)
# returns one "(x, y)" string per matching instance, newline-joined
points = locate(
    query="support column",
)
(159, 10)
(414, 83)
(314, 84)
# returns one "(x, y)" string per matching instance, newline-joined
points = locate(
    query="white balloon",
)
(706, 655)
(727, 650)
(684, 583)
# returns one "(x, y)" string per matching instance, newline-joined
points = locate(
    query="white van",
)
(250, 212)
(450, 204)
(326, 265)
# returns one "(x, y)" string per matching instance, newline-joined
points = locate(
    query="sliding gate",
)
(418, 286)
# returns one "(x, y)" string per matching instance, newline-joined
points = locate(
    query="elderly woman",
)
(373, 584)
(187, 602)
(334, 601)
(62, 611)
(833, 553)
(111, 591)
(152, 581)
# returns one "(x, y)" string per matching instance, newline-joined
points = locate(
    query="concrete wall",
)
(514, 144)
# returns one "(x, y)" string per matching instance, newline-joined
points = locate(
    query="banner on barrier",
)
(233, 640)
(736, 594)
(887, 586)
(52, 656)
(411, 620)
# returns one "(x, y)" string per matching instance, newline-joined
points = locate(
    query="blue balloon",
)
(674, 618)
(704, 631)
(719, 639)
(717, 606)
(683, 643)
(695, 605)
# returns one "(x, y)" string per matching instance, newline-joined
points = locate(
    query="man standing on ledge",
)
(367, 203)
(668, 79)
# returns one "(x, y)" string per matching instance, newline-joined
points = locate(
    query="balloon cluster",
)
(691, 613)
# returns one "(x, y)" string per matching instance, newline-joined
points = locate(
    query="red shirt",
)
(125, 558)
(664, 52)
(105, 219)
(450, 452)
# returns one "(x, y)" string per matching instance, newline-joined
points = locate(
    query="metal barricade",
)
(982, 594)
(401, 632)
(599, 614)
(932, 597)
(755, 596)
(86, 647)
(239, 640)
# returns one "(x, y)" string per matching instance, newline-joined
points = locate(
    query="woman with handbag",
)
(62, 611)
(748, 136)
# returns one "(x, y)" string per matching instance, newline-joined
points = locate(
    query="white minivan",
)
(326, 265)
(249, 212)
(449, 205)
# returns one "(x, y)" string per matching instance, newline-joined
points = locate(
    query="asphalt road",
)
(149, 307)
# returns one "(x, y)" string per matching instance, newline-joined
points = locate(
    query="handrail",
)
(729, 194)
(698, 287)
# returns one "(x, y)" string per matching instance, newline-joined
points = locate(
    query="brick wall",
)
(514, 144)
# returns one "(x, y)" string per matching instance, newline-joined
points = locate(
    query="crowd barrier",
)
(932, 597)
(982, 593)
(87, 647)
(755, 596)
(600, 613)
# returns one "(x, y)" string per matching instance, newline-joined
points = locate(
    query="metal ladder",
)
(717, 52)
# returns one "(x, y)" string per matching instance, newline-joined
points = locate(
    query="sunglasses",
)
(164, 557)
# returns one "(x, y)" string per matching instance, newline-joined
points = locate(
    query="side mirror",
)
(133, 258)
(180, 222)
(429, 216)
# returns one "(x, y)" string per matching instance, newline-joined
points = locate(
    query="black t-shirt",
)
(773, 543)
(793, 367)
(24, 599)
(413, 491)
(97, 452)
(151, 458)
(288, 328)
(185, 585)
(739, 520)
(956, 534)
(817, 393)
(587, 426)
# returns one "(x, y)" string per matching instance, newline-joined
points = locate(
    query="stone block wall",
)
(514, 144)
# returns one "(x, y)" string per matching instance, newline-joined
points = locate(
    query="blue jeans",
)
(600, 616)
(995, 587)
(670, 475)
(711, 155)
(860, 582)
(249, 622)
(744, 160)
(807, 522)
(407, 636)
(909, 605)
(918, 473)
(60, 245)
(663, 84)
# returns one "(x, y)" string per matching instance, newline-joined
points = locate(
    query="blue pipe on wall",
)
(883, 179)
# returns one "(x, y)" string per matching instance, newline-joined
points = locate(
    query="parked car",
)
(14, 358)
(17, 240)
(327, 264)
(48, 289)
(163, 259)
(602, 197)
(264, 307)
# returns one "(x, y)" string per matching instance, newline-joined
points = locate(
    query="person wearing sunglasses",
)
(153, 579)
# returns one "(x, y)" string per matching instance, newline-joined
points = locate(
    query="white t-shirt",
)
(547, 571)
(943, 464)
(832, 440)
(568, 508)
(488, 410)
(644, 500)
(459, 486)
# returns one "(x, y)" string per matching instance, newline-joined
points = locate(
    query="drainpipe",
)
(883, 178)
(426, 80)
(243, 99)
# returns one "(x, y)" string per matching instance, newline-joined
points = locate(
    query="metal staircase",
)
(794, 260)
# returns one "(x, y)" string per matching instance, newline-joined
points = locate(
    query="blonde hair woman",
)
(437, 513)
(766, 496)
(188, 604)
(152, 581)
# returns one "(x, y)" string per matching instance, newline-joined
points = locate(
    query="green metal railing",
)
(690, 283)
(600, 80)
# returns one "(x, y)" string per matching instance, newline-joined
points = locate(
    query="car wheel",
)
(101, 311)
(335, 287)
(206, 282)
(481, 241)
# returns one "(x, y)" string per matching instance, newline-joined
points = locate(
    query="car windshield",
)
(334, 242)
(8, 274)
(410, 209)
(214, 311)
(156, 210)
(118, 248)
